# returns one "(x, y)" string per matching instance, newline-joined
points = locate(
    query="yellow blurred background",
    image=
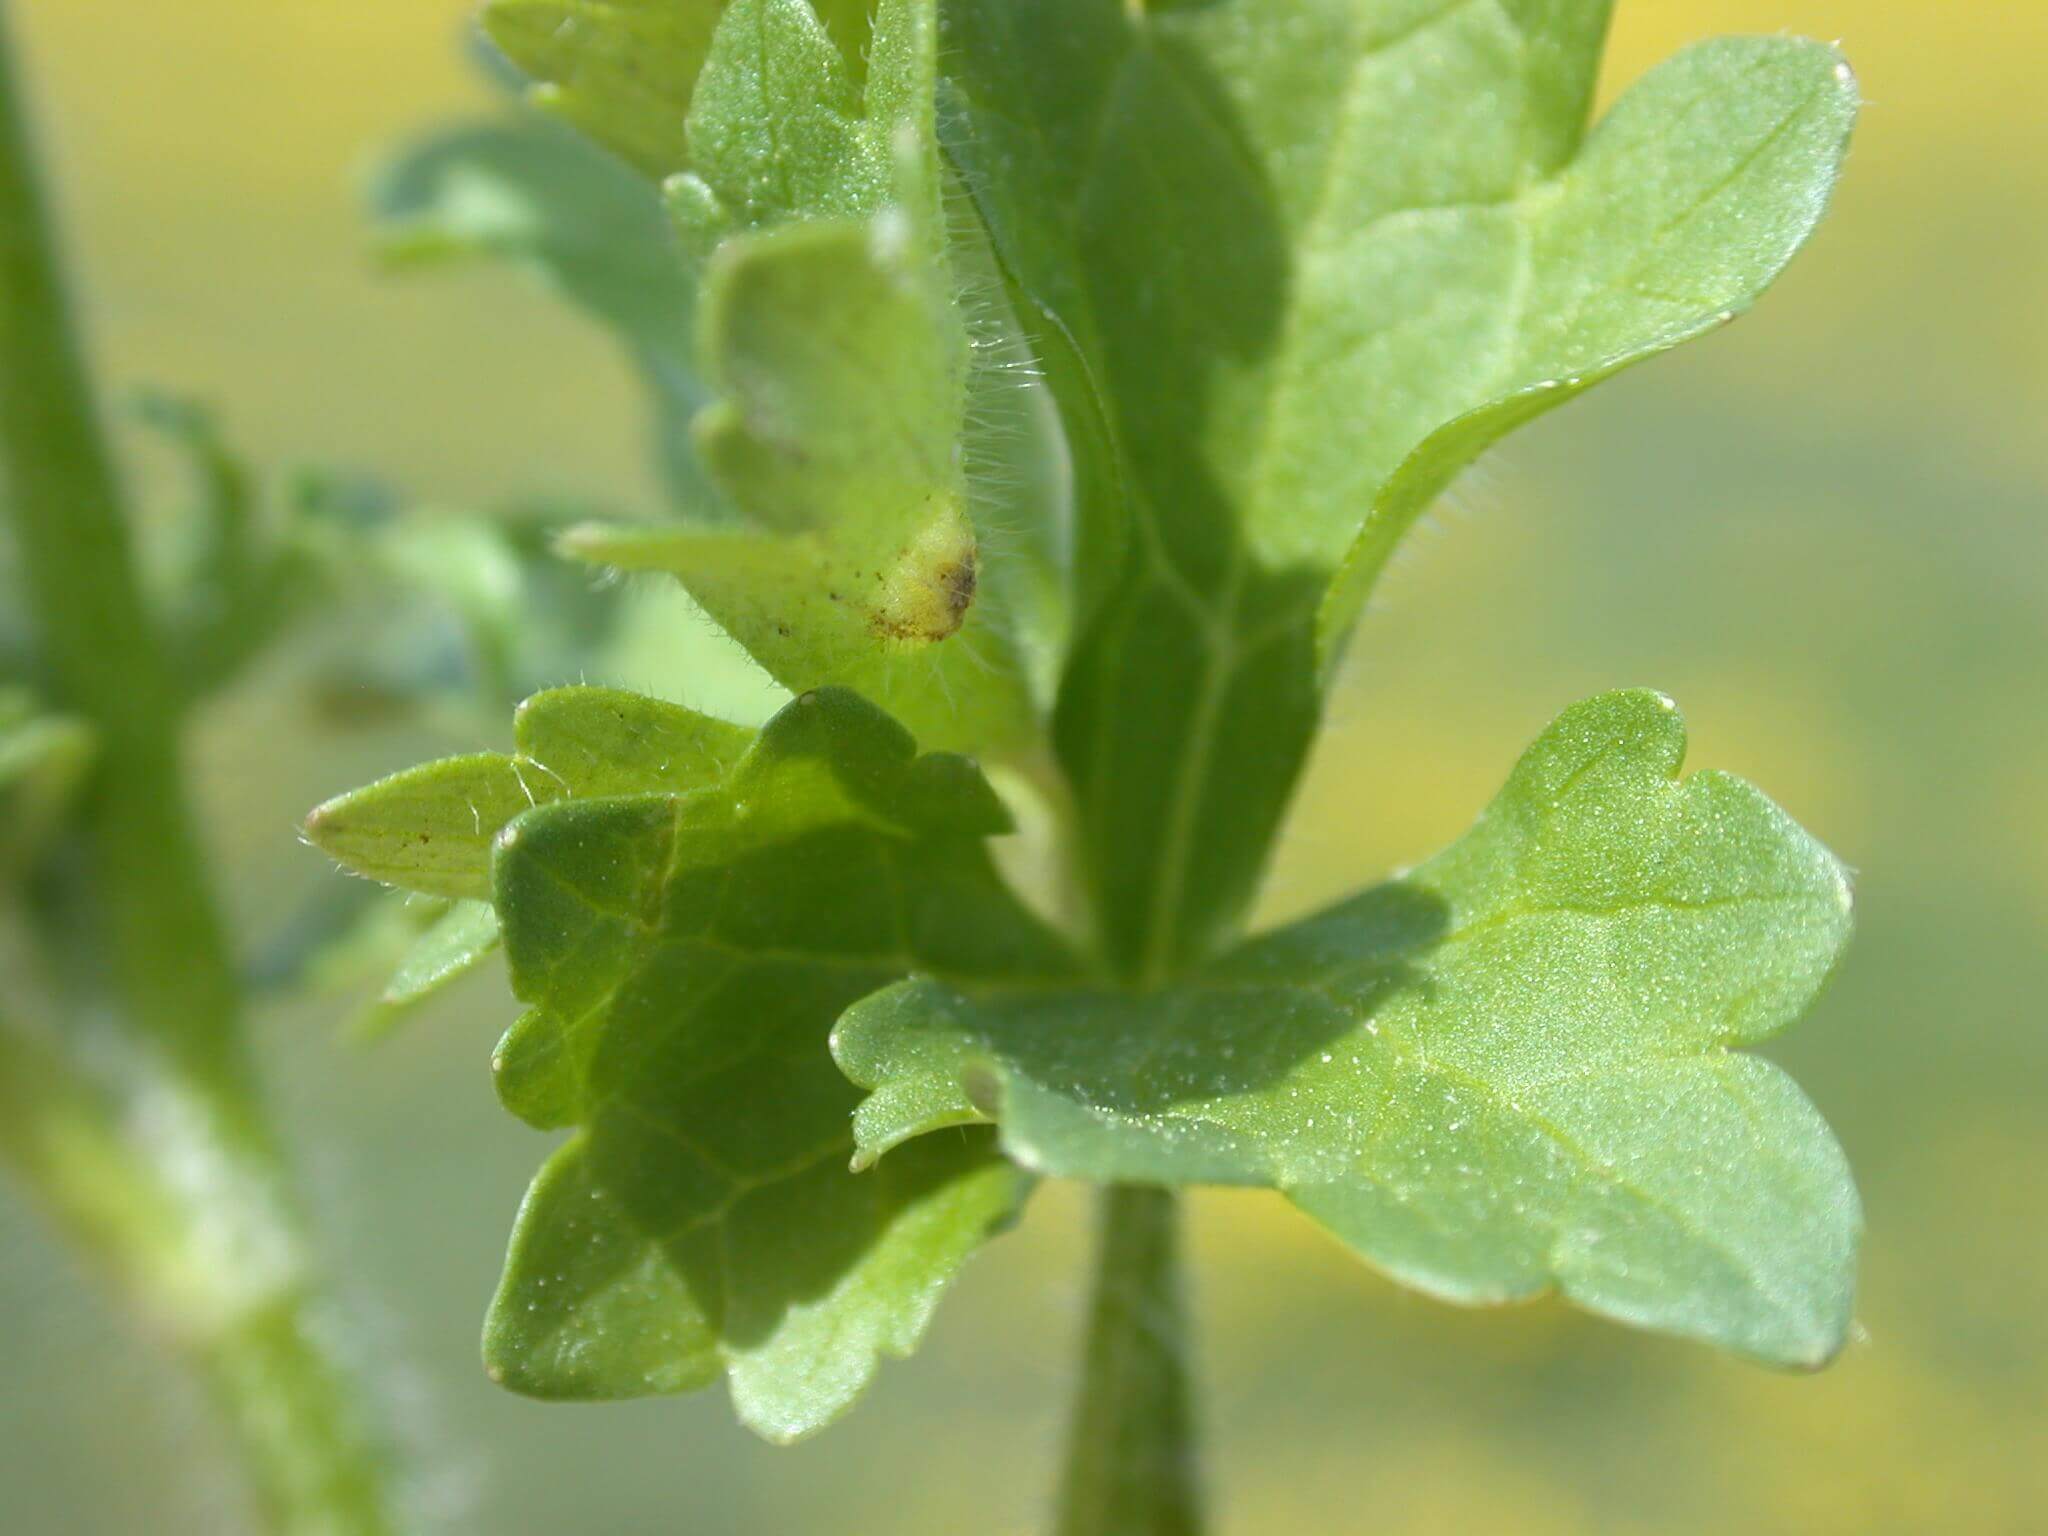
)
(1823, 531)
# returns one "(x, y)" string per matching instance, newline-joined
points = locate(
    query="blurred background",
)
(1823, 530)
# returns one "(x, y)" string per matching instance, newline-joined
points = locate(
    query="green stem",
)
(104, 657)
(171, 1177)
(1131, 1456)
(208, 1262)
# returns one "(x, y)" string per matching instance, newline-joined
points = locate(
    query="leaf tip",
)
(326, 826)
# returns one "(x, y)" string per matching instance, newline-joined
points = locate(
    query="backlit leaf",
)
(1279, 249)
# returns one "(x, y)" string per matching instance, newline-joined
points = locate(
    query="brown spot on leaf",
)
(940, 610)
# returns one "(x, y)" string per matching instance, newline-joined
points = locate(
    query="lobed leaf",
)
(1689, 198)
(684, 957)
(1278, 249)
(1513, 1069)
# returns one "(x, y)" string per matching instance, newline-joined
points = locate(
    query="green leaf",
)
(621, 71)
(452, 946)
(1689, 198)
(901, 540)
(684, 957)
(1514, 1069)
(624, 71)
(831, 331)
(1277, 249)
(844, 390)
(431, 828)
(778, 128)
(532, 195)
(827, 1272)
(234, 582)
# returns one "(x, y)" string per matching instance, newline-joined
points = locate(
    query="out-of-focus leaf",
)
(471, 568)
(345, 935)
(531, 194)
(235, 581)
(684, 957)
(216, 565)
(460, 940)
(430, 829)
(350, 936)
(44, 759)
(1511, 1070)
(621, 72)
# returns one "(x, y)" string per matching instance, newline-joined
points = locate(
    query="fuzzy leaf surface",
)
(1279, 249)
(684, 957)
(830, 332)
(624, 71)
(1514, 1069)
(843, 375)
(430, 829)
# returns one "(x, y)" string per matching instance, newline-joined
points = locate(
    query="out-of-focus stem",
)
(105, 660)
(133, 1177)
(166, 1172)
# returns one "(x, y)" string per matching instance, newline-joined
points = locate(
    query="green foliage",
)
(624, 71)
(235, 582)
(449, 948)
(843, 400)
(688, 954)
(417, 608)
(704, 1219)
(1054, 386)
(1293, 255)
(1508, 1070)
(821, 414)
(43, 762)
(530, 194)
(431, 828)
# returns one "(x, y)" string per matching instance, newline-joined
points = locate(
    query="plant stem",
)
(170, 1176)
(1131, 1456)
(103, 655)
(209, 1262)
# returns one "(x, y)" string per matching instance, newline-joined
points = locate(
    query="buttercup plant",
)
(1042, 389)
